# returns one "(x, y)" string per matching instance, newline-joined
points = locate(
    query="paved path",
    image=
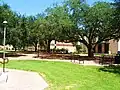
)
(31, 57)
(25, 57)
(22, 80)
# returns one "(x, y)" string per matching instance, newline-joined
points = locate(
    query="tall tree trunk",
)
(55, 44)
(48, 46)
(90, 51)
(15, 47)
(38, 50)
(24, 48)
(35, 47)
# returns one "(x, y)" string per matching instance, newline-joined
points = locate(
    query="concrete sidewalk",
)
(23, 80)
(31, 57)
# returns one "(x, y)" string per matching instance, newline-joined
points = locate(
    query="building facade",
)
(63, 45)
(109, 47)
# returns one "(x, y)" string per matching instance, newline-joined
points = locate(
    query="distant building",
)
(107, 47)
(7, 47)
(60, 45)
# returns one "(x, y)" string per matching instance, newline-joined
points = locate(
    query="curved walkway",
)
(22, 80)
(31, 57)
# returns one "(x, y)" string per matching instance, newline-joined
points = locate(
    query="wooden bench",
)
(76, 58)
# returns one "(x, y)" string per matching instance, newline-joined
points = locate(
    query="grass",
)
(68, 76)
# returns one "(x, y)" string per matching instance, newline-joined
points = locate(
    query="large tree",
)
(116, 19)
(55, 25)
(5, 14)
(32, 37)
(92, 23)
(14, 33)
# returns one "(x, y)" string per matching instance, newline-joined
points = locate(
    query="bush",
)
(57, 50)
(78, 48)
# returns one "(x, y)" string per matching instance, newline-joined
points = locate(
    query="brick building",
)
(110, 47)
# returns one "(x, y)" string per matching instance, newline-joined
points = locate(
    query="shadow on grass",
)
(112, 69)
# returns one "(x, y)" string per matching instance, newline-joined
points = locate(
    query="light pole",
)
(4, 22)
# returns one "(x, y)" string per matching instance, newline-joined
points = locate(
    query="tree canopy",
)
(74, 21)
(92, 25)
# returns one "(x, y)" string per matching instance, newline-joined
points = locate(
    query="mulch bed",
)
(96, 59)
(66, 57)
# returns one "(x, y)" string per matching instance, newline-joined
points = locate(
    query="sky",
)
(33, 7)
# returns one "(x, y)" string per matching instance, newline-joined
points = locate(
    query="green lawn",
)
(68, 76)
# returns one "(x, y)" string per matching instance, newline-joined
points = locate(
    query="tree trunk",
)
(15, 49)
(35, 47)
(55, 44)
(24, 48)
(38, 50)
(90, 51)
(48, 46)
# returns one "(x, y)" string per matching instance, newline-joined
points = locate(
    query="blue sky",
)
(33, 7)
